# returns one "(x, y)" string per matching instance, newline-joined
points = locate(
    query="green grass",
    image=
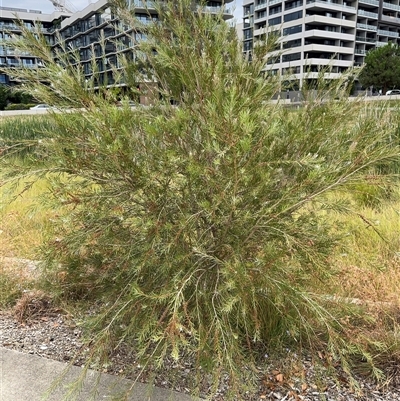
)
(20, 135)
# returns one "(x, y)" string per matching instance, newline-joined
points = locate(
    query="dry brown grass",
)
(23, 225)
(32, 305)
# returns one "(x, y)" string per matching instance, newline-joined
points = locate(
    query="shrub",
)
(199, 230)
(19, 106)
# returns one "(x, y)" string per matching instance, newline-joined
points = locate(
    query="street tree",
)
(382, 68)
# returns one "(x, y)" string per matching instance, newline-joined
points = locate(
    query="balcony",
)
(260, 6)
(370, 2)
(329, 62)
(391, 6)
(361, 52)
(327, 75)
(389, 19)
(314, 47)
(367, 27)
(383, 32)
(143, 4)
(367, 14)
(214, 10)
(363, 39)
(329, 20)
(320, 33)
(331, 4)
(256, 19)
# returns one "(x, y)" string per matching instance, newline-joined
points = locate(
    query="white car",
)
(393, 92)
(41, 106)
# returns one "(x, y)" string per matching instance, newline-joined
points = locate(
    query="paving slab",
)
(25, 377)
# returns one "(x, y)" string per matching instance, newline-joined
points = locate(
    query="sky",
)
(46, 6)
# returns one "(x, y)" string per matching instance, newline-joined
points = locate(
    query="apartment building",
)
(318, 33)
(99, 34)
(95, 31)
(10, 57)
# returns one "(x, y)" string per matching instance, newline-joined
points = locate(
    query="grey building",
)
(95, 32)
(9, 56)
(100, 35)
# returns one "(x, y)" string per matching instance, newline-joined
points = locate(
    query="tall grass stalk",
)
(186, 226)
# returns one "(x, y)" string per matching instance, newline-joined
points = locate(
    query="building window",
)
(248, 45)
(28, 62)
(291, 57)
(91, 22)
(293, 16)
(261, 14)
(273, 60)
(292, 30)
(275, 21)
(248, 10)
(275, 10)
(105, 16)
(140, 37)
(248, 34)
(293, 4)
(291, 70)
(292, 43)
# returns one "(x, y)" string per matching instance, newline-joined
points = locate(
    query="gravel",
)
(56, 336)
(34, 327)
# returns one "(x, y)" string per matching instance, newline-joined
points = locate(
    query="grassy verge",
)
(366, 275)
(23, 227)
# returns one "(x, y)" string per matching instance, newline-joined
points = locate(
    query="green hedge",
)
(19, 106)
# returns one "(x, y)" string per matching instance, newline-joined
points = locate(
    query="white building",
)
(320, 33)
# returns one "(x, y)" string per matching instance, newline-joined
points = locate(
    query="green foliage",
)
(19, 96)
(21, 99)
(19, 106)
(199, 230)
(20, 136)
(10, 290)
(4, 93)
(382, 68)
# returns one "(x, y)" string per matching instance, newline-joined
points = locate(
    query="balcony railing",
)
(391, 19)
(14, 27)
(143, 4)
(371, 2)
(260, 6)
(367, 14)
(360, 51)
(331, 3)
(259, 18)
(391, 6)
(214, 10)
(383, 32)
(20, 10)
(368, 40)
(367, 27)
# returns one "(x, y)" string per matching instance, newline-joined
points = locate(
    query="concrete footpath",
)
(25, 377)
